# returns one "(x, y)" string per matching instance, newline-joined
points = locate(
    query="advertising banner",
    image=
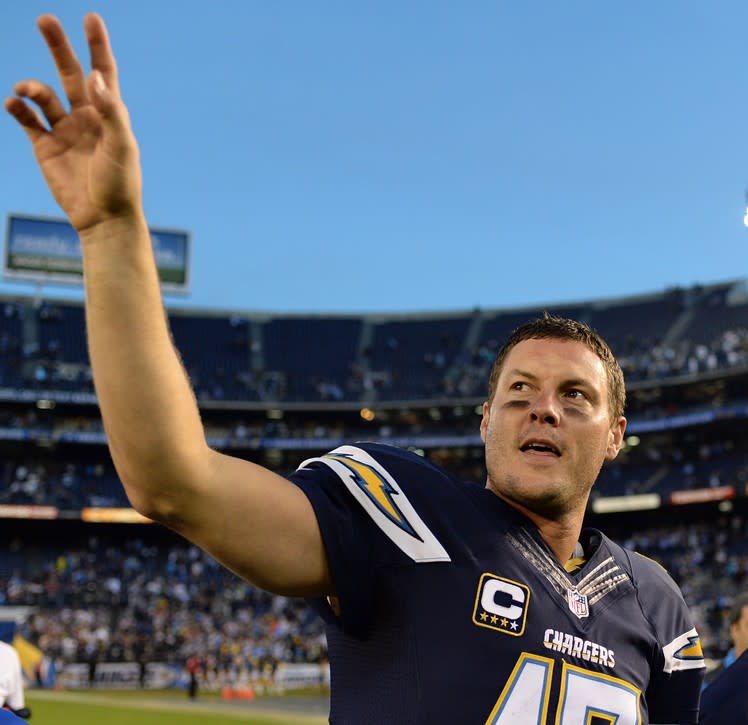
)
(40, 249)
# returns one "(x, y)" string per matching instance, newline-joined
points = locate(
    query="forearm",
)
(251, 519)
(150, 415)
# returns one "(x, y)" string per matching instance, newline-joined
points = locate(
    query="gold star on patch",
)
(494, 619)
(483, 616)
(504, 621)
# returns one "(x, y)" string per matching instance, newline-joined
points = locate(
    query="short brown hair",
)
(561, 328)
(736, 610)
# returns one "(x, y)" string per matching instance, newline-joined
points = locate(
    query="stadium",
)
(109, 608)
(427, 562)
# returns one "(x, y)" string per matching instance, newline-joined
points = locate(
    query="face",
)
(548, 428)
(739, 632)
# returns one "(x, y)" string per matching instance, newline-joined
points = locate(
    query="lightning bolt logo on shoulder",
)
(384, 501)
(377, 488)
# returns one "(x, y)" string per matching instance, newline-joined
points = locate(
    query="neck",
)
(561, 534)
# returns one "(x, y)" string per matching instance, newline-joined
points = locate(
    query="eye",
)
(576, 394)
(519, 385)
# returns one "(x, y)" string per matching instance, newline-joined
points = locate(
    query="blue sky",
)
(408, 156)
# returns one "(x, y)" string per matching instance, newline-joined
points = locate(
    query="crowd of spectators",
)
(126, 600)
(709, 560)
(66, 485)
(69, 483)
(644, 361)
(50, 355)
(129, 601)
(640, 359)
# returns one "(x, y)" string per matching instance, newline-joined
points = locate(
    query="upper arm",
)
(675, 698)
(13, 681)
(255, 522)
(678, 666)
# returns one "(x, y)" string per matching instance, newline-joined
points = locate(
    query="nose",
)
(544, 409)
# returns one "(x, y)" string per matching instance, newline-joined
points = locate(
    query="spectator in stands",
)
(396, 553)
(194, 666)
(725, 699)
(11, 682)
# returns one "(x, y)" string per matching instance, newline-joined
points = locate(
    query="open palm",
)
(88, 154)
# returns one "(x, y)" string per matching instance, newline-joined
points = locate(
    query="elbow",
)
(157, 497)
(159, 487)
(151, 505)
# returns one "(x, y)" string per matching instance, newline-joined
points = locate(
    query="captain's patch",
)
(501, 604)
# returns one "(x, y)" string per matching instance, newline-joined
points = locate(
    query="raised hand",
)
(88, 154)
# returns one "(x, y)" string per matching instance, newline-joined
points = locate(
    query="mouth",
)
(540, 447)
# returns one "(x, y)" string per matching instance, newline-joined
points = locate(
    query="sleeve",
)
(14, 681)
(678, 662)
(362, 499)
(349, 541)
(675, 698)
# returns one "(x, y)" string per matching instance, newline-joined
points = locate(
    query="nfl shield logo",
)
(578, 603)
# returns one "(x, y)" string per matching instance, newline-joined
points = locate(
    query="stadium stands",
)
(273, 388)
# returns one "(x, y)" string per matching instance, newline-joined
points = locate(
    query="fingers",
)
(101, 88)
(44, 97)
(27, 117)
(102, 58)
(68, 67)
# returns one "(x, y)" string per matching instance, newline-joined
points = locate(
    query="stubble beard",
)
(549, 500)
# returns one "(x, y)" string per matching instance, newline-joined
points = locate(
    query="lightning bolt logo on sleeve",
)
(684, 653)
(384, 501)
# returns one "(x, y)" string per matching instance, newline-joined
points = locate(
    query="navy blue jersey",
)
(726, 699)
(452, 609)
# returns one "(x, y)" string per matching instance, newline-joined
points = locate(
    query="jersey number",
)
(586, 697)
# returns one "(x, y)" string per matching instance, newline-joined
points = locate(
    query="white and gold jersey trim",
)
(683, 653)
(384, 501)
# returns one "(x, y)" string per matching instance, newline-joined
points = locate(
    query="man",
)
(413, 571)
(11, 681)
(725, 700)
(193, 666)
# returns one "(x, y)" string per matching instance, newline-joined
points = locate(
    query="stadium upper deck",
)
(343, 361)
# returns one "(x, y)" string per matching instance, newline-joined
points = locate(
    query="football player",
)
(446, 602)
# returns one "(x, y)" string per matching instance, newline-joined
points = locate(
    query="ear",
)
(615, 438)
(484, 420)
